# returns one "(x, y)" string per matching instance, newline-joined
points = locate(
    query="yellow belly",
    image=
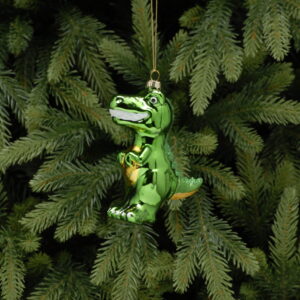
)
(132, 174)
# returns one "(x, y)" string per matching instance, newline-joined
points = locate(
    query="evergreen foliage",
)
(231, 72)
(279, 278)
(19, 35)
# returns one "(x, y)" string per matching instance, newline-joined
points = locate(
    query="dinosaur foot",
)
(135, 213)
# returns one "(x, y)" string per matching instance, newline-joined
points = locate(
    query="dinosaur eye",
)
(119, 99)
(153, 100)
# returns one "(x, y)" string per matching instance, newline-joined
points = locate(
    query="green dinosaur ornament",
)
(148, 172)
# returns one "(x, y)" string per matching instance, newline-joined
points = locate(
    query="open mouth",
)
(128, 116)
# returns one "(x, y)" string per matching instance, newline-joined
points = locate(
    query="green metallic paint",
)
(149, 176)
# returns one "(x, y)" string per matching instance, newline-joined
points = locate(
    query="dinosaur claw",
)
(135, 213)
(131, 217)
(117, 213)
(123, 216)
(111, 211)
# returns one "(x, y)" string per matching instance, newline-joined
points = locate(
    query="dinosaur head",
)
(149, 115)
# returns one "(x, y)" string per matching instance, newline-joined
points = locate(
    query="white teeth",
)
(127, 116)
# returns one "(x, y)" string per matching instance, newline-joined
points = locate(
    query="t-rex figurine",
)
(148, 169)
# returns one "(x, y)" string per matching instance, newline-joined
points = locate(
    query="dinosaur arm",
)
(145, 153)
(121, 157)
(132, 157)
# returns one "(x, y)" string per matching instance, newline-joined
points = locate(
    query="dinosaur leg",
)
(143, 206)
(142, 201)
(116, 210)
(131, 197)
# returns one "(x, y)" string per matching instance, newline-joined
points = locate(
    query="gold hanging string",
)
(154, 16)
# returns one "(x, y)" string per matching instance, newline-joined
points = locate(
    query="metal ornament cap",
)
(153, 84)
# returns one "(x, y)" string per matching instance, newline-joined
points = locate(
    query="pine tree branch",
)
(37, 109)
(231, 53)
(131, 267)
(206, 52)
(70, 172)
(178, 155)
(276, 29)
(3, 201)
(241, 135)
(292, 8)
(40, 141)
(254, 208)
(285, 175)
(142, 30)
(201, 142)
(186, 262)
(221, 177)
(160, 269)
(107, 259)
(19, 35)
(191, 17)
(93, 188)
(26, 4)
(64, 282)
(44, 215)
(25, 66)
(269, 79)
(175, 223)
(169, 53)
(204, 78)
(233, 247)
(29, 242)
(73, 204)
(275, 111)
(93, 68)
(262, 109)
(253, 33)
(73, 94)
(3, 45)
(283, 244)
(128, 250)
(295, 29)
(248, 291)
(12, 270)
(39, 264)
(200, 251)
(63, 53)
(5, 134)
(121, 58)
(13, 93)
(251, 173)
(184, 61)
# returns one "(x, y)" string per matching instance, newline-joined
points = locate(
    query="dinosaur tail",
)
(186, 187)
